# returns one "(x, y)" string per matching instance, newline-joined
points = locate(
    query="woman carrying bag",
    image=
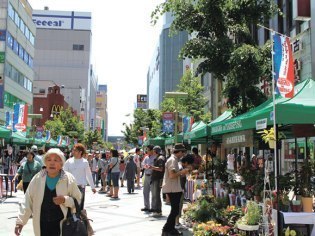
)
(28, 170)
(48, 197)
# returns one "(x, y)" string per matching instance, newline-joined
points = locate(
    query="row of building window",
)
(20, 24)
(19, 50)
(18, 77)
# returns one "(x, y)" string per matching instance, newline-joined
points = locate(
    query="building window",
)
(78, 47)
(17, 20)
(11, 11)
(32, 38)
(22, 26)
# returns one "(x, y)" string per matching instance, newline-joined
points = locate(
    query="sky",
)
(123, 43)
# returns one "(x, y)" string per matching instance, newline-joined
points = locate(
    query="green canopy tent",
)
(298, 110)
(198, 133)
(170, 140)
(5, 133)
(19, 138)
(157, 141)
(52, 143)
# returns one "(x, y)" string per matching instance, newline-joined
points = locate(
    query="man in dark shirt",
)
(156, 181)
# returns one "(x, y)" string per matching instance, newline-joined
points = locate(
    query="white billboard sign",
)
(70, 20)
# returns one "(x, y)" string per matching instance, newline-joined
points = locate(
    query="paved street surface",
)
(110, 217)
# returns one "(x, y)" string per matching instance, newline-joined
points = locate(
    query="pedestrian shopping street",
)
(110, 217)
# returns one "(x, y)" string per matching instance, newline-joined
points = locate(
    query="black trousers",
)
(51, 228)
(175, 201)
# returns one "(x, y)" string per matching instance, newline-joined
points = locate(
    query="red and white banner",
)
(283, 66)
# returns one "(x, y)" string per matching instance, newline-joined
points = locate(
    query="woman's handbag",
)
(74, 225)
(19, 186)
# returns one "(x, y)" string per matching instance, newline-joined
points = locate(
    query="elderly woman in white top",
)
(48, 197)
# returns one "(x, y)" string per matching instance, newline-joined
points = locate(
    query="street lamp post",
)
(177, 96)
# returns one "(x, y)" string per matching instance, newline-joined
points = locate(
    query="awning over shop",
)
(297, 110)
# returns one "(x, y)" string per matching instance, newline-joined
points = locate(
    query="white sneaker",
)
(180, 227)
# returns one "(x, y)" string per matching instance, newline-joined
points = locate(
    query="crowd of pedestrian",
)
(53, 179)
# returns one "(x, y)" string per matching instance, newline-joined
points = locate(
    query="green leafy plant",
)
(268, 135)
(252, 215)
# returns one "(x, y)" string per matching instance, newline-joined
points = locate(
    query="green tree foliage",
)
(222, 39)
(93, 137)
(194, 104)
(149, 118)
(66, 124)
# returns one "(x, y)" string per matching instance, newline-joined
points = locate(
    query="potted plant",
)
(305, 175)
(250, 221)
(268, 136)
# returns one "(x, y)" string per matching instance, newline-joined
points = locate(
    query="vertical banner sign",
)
(187, 123)
(283, 66)
(20, 117)
(48, 136)
(59, 140)
(39, 132)
(8, 120)
(168, 122)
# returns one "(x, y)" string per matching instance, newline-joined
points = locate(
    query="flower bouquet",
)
(211, 228)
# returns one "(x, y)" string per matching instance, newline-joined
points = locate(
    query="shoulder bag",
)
(110, 169)
(74, 225)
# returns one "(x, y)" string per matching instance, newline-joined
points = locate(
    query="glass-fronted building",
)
(17, 38)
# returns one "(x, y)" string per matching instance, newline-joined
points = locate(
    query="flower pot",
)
(307, 203)
(296, 206)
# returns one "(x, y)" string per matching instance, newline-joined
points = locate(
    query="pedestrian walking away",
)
(80, 169)
(48, 197)
(130, 173)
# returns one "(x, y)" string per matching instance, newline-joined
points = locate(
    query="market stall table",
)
(301, 218)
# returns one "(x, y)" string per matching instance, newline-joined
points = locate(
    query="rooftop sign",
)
(69, 20)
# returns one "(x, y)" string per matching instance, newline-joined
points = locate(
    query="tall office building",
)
(165, 70)
(101, 111)
(17, 36)
(63, 49)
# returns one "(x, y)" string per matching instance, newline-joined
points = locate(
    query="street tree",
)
(194, 104)
(93, 138)
(222, 38)
(66, 124)
(149, 118)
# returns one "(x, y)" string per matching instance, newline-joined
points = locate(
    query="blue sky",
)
(122, 46)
